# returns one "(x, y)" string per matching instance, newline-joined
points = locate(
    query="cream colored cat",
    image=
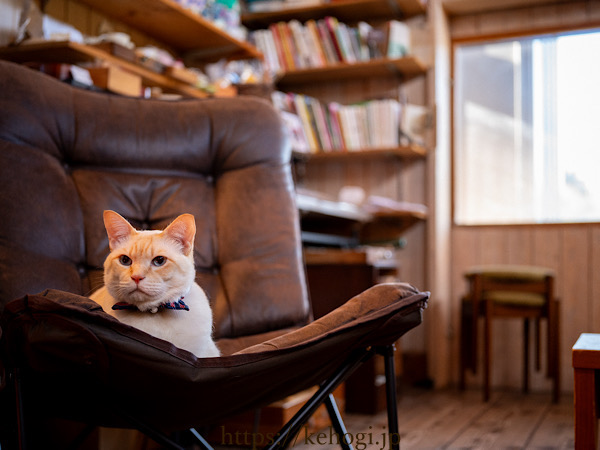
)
(149, 283)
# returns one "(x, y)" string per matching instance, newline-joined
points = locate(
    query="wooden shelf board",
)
(316, 208)
(176, 26)
(343, 10)
(390, 225)
(458, 7)
(334, 256)
(74, 53)
(406, 68)
(392, 216)
(403, 152)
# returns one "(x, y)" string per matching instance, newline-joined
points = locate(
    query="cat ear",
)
(117, 228)
(182, 230)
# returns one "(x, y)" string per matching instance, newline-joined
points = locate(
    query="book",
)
(318, 57)
(296, 132)
(332, 27)
(374, 124)
(322, 129)
(295, 30)
(333, 113)
(307, 122)
(278, 46)
(326, 42)
(292, 45)
(398, 39)
(287, 45)
(343, 35)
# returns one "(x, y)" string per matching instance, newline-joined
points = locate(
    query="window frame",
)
(490, 38)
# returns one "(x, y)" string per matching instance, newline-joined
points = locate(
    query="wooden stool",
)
(586, 371)
(509, 291)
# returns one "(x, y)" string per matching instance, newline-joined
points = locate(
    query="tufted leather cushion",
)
(67, 154)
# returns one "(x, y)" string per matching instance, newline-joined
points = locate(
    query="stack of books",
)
(331, 126)
(292, 45)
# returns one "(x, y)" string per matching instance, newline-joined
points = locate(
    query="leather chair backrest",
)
(67, 154)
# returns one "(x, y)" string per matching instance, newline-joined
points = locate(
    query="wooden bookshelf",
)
(344, 10)
(405, 68)
(412, 151)
(186, 32)
(75, 53)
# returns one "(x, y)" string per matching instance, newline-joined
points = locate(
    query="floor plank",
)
(507, 422)
(452, 420)
(556, 431)
(448, 419)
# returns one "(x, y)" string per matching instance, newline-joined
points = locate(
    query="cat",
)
(149, 283)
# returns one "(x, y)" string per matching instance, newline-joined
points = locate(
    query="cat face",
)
(148, 268)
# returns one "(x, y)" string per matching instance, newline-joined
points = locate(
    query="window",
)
(527, 130)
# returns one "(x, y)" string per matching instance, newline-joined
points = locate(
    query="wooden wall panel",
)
(595, 283)
(412, 261)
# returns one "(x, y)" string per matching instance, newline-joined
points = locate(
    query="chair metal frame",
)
(286, 435)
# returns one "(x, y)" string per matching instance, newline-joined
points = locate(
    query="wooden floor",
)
(431, 419)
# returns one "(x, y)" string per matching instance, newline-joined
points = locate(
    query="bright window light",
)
(527, 130)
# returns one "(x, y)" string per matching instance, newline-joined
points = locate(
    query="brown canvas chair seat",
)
(80, 356)
(66, 155)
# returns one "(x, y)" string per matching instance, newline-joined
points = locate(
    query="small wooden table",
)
(586, 366)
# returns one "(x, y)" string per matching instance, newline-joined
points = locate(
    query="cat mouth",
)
(138, 293)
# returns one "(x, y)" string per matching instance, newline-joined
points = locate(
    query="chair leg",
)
(487, 350)
(554, 348)
(538, 350)
(17, 382)
(466, 339)
(337, 422)
(201, 441)
(525, 355)
(392, 399)
(287, 433)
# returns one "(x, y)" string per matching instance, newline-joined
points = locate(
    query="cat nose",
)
(137, 278)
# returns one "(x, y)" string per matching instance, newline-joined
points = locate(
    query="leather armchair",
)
(66, 155)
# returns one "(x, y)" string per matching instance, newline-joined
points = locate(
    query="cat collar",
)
(179, 305)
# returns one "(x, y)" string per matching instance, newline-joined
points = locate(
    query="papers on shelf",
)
(311, 202)
(374, 205)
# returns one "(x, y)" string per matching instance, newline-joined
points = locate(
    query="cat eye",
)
(125, 260)
(159, 261)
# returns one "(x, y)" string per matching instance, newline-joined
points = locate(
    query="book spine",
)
(297, 35)
(327, 44)
(307, 122)
(317, 51)
(334, 124)
(320, 123)
(278, 46)
(289, 50)
(331, 25)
